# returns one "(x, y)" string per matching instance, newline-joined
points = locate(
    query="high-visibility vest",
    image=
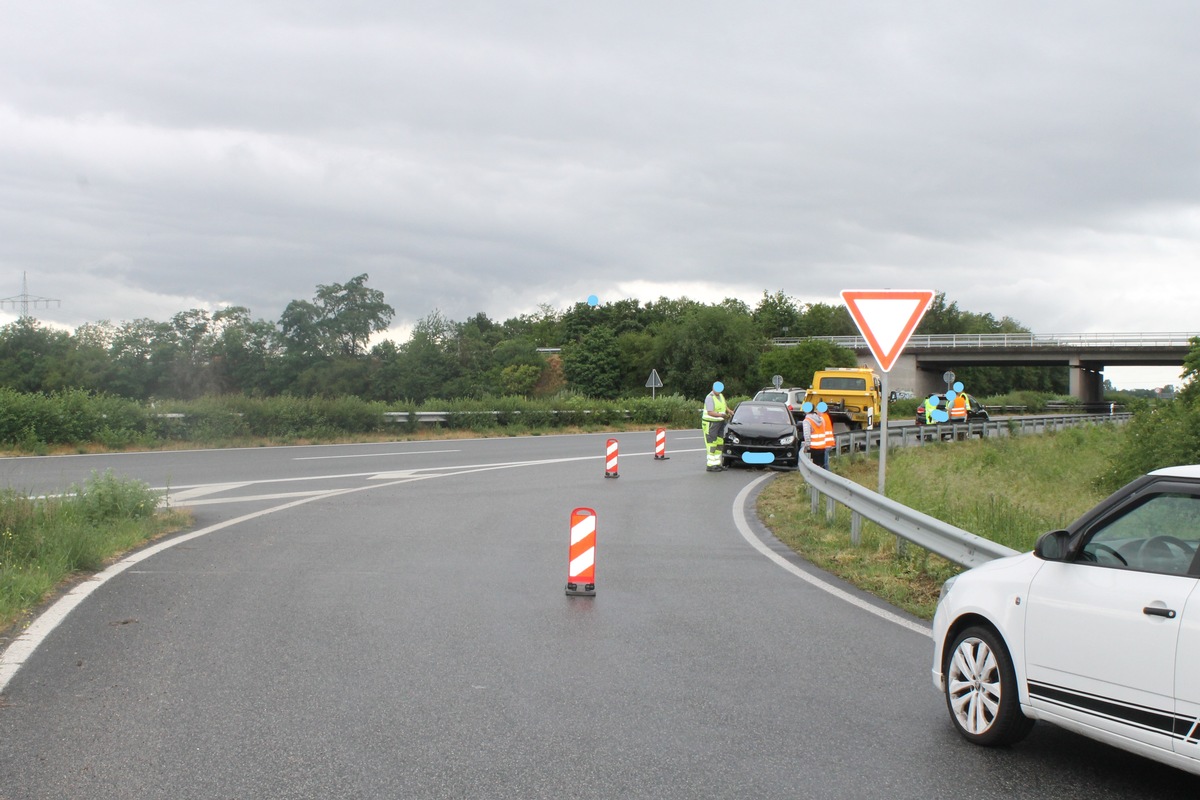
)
(820, 431)
(930, 407)
(719, 408)
(958, 410)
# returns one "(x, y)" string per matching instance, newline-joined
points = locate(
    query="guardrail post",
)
(815, 497)
(830, 508)
(855, 528)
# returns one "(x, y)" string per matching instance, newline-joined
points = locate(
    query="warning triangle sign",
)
(887, 318)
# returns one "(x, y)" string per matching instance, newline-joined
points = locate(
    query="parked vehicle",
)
(792, 398)
(1097, 630)
(854, 395)
(762, 434)
(975, 410)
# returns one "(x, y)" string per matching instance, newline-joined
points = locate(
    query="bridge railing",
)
(1016, 340)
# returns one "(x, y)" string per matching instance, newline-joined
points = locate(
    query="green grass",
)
(45, 541)
(1008, 490)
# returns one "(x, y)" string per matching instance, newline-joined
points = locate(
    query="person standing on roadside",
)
(818, 433)
(930, 406)
(958, 408)
(712, 420)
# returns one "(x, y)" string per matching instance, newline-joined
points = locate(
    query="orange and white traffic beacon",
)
(610, 460)
(581, 556)
(660, 445)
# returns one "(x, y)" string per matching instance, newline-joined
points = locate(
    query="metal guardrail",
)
(914, 435)
(955, 544)
(952, 543)
(445, 416)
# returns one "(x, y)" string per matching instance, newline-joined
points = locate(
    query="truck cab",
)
(854, 395)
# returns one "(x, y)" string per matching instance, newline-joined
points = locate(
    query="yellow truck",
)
(854, 395)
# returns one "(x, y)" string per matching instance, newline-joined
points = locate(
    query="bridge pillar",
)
(1086, 381)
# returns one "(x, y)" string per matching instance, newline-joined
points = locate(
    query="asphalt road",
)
(390, 621)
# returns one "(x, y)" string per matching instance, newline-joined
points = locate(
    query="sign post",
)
(886, 319)
(653, 382)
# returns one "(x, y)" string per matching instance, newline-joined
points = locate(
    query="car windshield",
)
(844, 384)
(775, 397)
(764, 414)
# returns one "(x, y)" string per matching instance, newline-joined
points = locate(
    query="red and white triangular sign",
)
(886, 319)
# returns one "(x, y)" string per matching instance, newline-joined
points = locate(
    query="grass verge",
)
(45, 541)
(1009, 490)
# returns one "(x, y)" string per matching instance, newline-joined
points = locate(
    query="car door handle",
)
(1159, 612)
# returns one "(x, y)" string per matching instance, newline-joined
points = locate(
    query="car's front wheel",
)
(981, 689)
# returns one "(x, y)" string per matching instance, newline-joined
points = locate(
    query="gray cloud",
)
(1035, 160)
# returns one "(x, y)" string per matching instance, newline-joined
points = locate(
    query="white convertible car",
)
(1097, 630)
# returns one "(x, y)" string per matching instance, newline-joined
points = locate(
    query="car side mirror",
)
(1053, 546)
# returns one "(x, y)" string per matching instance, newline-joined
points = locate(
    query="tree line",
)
(321, 347)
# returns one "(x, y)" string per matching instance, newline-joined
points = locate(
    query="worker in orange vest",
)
(958, 408)
(818, 433)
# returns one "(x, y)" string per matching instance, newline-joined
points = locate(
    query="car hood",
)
(761, 430)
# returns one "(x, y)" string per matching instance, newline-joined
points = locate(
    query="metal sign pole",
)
(883, 433)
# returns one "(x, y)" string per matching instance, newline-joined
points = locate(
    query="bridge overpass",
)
(926, 358)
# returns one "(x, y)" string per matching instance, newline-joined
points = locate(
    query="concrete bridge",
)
(926, 358)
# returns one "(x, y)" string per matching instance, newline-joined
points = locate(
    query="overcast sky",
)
(1037, 160)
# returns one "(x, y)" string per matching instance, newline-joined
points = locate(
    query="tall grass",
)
(1009, 490)
(44, 540)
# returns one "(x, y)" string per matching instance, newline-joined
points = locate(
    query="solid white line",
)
(21, 648)
(24, 645)
(739, 519)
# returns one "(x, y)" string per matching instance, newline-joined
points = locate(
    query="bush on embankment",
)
(44, 540)
(34, 423)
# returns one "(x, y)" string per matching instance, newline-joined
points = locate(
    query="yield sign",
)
(886, 319)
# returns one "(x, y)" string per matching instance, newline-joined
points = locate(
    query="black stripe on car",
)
(1142, 717)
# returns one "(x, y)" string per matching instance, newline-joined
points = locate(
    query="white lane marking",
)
(376, 455)
(181, 498)
(248, 498)
(198, 489)
(739, 519)
(21, 648)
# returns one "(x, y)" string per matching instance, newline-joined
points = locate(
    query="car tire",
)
(981, 689)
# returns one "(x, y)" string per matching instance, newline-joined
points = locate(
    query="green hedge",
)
(33, 422)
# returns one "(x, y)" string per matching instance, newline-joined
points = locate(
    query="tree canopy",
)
(332, 344)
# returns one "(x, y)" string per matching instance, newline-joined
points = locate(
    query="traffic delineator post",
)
(610, 460)
(581, 555)
(660, 444)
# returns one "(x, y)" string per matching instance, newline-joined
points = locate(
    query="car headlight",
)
(787, 440)
(946, 587)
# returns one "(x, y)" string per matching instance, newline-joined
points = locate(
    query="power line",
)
(24, 300)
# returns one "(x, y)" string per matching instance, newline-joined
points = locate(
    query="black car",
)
(792, 398)
(761, 434)
(975, 410)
